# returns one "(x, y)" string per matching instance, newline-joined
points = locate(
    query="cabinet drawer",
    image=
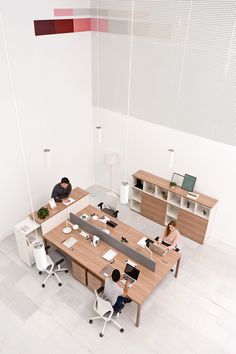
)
(153, 208)
(79, 272)
(93, 282)
(192, 226)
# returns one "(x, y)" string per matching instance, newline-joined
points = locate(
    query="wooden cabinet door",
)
(79, 272)
(153, 208)
(93, 282)
(192, 226)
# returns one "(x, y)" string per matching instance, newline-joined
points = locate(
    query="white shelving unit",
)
(136, 206)
(136, 194)
(26, 232)
(202, 211)
(153, 197)
(149, 188)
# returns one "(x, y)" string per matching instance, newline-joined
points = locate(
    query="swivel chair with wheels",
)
(105, 311)
(50, 264)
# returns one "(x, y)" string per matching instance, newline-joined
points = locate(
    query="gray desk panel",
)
(120, 246)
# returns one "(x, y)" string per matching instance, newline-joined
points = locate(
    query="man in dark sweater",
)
(62, 190)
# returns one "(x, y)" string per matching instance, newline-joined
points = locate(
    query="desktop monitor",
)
(188, 182)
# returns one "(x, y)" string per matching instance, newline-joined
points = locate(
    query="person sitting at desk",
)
(170, 237)
(62, 190)
(115, 293)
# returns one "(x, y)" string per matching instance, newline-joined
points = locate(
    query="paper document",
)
(70, 242)
(109, 255)
(142, 242)
(70, 200)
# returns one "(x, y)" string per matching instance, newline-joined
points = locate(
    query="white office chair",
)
(105, 311)
(48, 264)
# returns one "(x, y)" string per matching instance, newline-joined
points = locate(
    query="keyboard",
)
(70, 242)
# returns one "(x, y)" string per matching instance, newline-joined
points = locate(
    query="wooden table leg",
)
(138, 315)
(177, 268)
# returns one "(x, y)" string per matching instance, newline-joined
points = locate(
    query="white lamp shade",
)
(124, 193)
(40, 256)
(99, 134)
(111, 158)
(47, 158)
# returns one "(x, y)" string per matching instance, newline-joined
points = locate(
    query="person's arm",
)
(176, 240)
(126, 287)
(161, 238)
(68, 191)
(55, 195)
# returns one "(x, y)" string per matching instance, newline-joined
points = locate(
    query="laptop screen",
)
(131, 271)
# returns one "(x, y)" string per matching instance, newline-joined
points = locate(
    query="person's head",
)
(115, 275)
(170, 227)
(64, 182)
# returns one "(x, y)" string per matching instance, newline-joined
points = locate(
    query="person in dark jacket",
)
(62, 190)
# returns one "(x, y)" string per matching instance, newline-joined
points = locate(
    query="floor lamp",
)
(110, 160)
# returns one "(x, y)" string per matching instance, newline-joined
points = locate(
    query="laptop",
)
(130, 272)
(159, 249)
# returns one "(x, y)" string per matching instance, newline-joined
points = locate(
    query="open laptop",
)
(130, 272)
(159, 249)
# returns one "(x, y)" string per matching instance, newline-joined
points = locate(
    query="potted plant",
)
(173, 185)
(42, 213)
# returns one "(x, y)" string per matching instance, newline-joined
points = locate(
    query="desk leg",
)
(177, 268)
(138, 315)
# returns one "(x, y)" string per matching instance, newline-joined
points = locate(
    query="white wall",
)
(52, 80)
(214, 164)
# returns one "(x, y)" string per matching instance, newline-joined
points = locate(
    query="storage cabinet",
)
(153, 208)
(79, 273)
(153, 197)
(26, 232)
(93, 282)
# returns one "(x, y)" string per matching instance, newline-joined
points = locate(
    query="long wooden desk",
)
(61, 212)
(90, 257)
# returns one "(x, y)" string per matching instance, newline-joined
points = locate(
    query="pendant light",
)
(124, 188)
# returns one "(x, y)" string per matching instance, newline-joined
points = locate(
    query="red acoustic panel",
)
(64, 26)
(81, 24)
(100, 25)
(42, 27)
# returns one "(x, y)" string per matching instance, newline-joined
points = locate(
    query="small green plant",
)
(173, 184)
(42, 213)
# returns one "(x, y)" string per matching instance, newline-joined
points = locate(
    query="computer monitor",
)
(188, 182)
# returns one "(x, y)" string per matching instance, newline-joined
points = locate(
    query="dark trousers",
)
(119, 305)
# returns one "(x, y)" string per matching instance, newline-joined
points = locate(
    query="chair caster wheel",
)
(59, 284)
(100, 334)
(122, 330)
(53, 274)
(90, 321)
(40, 273)
(66, 271)
(43, 285)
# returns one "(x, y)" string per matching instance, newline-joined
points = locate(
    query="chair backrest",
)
(111, 201)
(102, 306)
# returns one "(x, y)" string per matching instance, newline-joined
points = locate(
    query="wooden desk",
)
(90, 257)
(61, 212)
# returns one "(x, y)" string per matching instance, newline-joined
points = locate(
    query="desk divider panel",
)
(109, 239)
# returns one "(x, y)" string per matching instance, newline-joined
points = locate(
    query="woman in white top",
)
(170, 237)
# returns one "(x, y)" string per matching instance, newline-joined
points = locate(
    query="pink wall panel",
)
(63, 12)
